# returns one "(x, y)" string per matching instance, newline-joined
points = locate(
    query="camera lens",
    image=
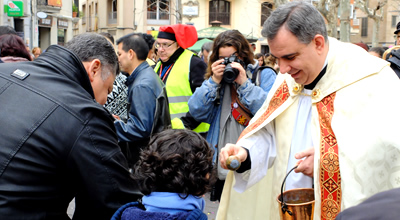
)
(230, 74)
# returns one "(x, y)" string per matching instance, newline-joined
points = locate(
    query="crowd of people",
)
(142, 127)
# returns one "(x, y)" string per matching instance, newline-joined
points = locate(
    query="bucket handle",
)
(284, 206)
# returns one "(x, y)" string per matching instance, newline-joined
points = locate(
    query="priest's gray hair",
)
(90, 46)
(300, 18)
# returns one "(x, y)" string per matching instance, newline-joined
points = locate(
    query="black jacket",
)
(381, 206)
(57, 143)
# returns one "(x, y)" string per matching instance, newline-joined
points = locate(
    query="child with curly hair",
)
(173, 173)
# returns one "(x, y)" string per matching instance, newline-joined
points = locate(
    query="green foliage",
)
(74, 8)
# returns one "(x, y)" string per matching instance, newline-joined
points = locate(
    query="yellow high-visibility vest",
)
(179, 91)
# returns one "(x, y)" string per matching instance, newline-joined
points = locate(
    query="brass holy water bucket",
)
(296, 204)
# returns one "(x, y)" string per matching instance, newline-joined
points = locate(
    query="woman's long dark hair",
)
(230, 38)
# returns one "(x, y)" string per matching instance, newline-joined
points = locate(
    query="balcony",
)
(43, 5)
(152, 15)
(112, 17)
(158, 18)
(224, 17)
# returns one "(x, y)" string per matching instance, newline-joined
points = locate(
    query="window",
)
(158, 11)
(89, 28)
(394, 21)
(61, 37)
(84, 14)
(266, 9)
(220, 10)
(364, 27)
(112, 17)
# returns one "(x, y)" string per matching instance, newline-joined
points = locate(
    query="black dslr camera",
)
(230, 73)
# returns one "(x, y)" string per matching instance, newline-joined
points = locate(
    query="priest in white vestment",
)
(334, 113)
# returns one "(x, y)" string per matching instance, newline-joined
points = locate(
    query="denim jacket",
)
(267, 76)
(203, 108)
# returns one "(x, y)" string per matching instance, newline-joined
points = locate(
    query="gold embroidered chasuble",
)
(354, 145)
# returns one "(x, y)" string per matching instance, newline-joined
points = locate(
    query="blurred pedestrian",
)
(205, 51)
(12, 49)
(58, 142)
(271, 61)
(376, 51)
(362, 45)
(261, 73)
(253, 47)
(149, 42)
(155, 57)
(397, 34)
(36, 51)
(5, 29)
(117, 102)
(174, 172)
(261, 59)
(181, 71)
(392, 55)
(108, 36)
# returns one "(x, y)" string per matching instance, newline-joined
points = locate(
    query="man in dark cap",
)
(397, 34)
(181, 71)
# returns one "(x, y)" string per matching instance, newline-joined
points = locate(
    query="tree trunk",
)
(344, 20)
(375, 32)
(330, 14)
(332, 21)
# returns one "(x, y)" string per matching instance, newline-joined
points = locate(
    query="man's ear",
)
(93, 68)
(319, 41)
(132, 54)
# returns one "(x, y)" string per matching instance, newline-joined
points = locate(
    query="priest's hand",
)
(306, 165)
(231, 150)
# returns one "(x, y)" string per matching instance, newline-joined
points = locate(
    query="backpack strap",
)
(256, 74)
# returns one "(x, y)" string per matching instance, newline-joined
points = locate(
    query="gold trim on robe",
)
(330, 181)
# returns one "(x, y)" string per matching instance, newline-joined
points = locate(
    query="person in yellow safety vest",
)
(181, 71)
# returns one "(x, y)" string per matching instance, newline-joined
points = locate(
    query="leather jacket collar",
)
(68, 64)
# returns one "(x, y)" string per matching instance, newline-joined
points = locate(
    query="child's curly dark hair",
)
(178, 161)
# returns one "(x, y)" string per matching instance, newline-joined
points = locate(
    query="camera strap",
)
(239, 112)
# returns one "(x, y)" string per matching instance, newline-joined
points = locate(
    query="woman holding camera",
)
(227, 99)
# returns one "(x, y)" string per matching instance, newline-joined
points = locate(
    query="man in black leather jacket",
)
(56, 141)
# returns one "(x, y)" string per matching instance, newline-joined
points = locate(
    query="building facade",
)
(42, 22)
(363, 26)
(120, 17)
